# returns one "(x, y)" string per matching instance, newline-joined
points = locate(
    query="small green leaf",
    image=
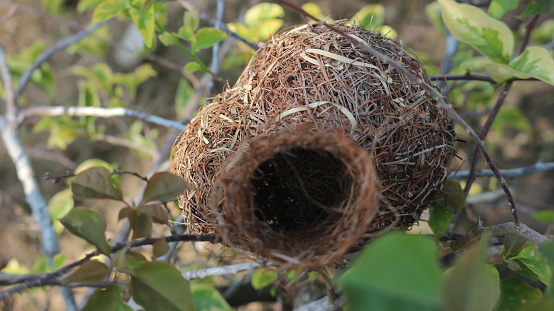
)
(538, 7)
(206, 297)
(537, 266)
(262, 12)
(89, 225)
(160, 286)
(313, 9)
(187, 34)
(535, 62)
(125, 258)
(206, 37)
(124, 213)
(545, 216)
(439, 219)
(471, 285)
(191, 20)
(95, 183)
(107, 299)
(168, 38)
(471, 25)
(513, 245)
(184, 93)
(396, 272)
(163, 186)
(89, 272)
(108, 9)
(157, 212)
(191, 67)
(146, 24)
(547, 250)
(160, 248)
(263, 278)
(498, 8)
(141, 224)
(370, 16)
(516, 294)
(451, 196)
(59, 205)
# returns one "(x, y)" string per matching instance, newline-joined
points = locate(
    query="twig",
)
(430, 90)
(97, 112)
(498, 230)
(322, 304)
(117, 141)
(204, 16)
(508, 173)
(224, 270)
(472, 77)
(58, 178)
(214, 65)
(11, 107)
(496, 108)
(26, 76)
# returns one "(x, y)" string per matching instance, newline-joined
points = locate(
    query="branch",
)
(323, 304)
(495, 231)
(55, 278)
(472, 77)
(11, 106)
(224, 270)
(24, 80)
(430, 90)
(508, 173)
(97, 112)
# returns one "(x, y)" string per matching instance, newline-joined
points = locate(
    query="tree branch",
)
(224, 270)
(26, 76)
(97, 112)
(498, 230)
(472, 77)
(430, 90)
(508, 173)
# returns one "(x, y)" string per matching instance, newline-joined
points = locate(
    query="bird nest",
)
(285, 163)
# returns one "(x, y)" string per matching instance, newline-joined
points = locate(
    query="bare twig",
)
(323, 304)
(224, 270)
(11, 106)
(472, 77)
(97, 112)
(26, 76)
(508, 173)
(430, 90)
(498, 230)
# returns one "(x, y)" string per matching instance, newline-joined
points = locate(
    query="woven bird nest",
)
(285, 162)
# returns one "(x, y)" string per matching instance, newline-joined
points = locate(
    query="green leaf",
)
(53, 6)
(396, 272)
(125, 258)
(471, 285)
(108, 9)
(163, 186)
(547, 250)
(313, 9)
(370, 16)
(95, 183)
(513, 245)
(267, 29)
(470, 25)
(511, 117)
(141, 223)
(191, 20)
(516, 294)
(160, 286)
(546, 216)
(168, 38)
(538, 7)
(535, 62)
(206, 297)
(191, 67)
(537, 266)
(146, 24)
(107, 299)
(451, 196)
(89, 225)
(498, 8)
(160, 248)
(263, 278)
(187, 34)
(433, 12)
(59, 205)
(157, 212)
(439, 219)
(89, 272)
(262, 12)
(206, 37)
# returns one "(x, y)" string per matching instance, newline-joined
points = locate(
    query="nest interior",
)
(311, 75)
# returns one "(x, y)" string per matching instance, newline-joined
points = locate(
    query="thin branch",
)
(187, 5)
(498, 230)
(97, 112)
(11, 106)
(430, 90)
(508, 173)
(472, 77)
(26, 76)
(224, 270)
(323, 304)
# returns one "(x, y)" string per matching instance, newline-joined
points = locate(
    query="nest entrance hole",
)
(298, 189)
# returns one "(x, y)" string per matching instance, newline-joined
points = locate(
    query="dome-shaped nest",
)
(309, 79)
